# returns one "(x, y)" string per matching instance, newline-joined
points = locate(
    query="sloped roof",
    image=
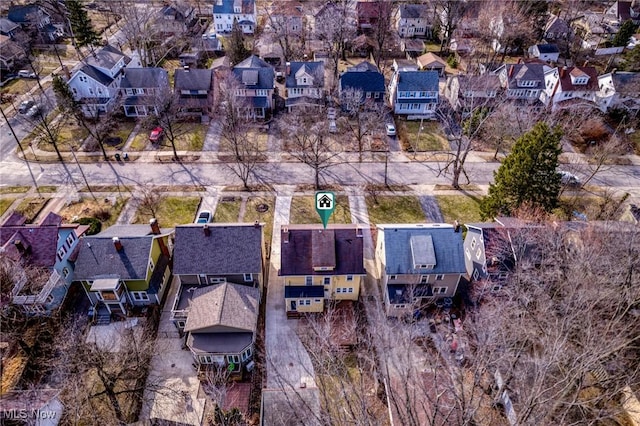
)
(413, 11)
(368, 9)
(192, 79)
(228, 249)
(20, 14)
(7, 25)
(107, 57)
(255, 72)
(567, 85)
(447, 246)
(253, 61)
(95, 74)
(247, 6)
(226, 305)
(364, 76)
(418, 81)
(547, 48)
(144, 78)
(627, 83)
(429, 60)
(315, 69)
(296, 249)
(98, 257)
(485, 82)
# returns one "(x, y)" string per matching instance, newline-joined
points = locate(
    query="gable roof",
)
(228, 249)
(98, 257)
(107, 57)
(364, 76)
(20, 14)
(431, 60)
(255, 72)
(95, 74)
(247, 6)
(566, 74)
(144, 77)
(192, 79)
(547, 48)
(315, 69)
(626, 82)
(226, 305)
(413, 11)
(447, 248)
(7, 25)
(343, 247)
(418, 81)
(484, 82)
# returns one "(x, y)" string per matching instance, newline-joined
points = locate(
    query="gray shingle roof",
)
(229, 249)
(226, 305)
(7, 25)
(106, 57)
(418, 81)
(364, 76)
(446, 243)
(315, 69)
(96, 74)
(255, 73)
(193, 79)
(98, 257)
(413, 11)
(144, 78)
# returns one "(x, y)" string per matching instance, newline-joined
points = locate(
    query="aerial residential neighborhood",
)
(309, 212)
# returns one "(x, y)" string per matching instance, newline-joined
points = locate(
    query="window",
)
(317, 301)
(140, 296)
(349, 278)
(473, 243)
(99, 296)
(139, 91)
(247, 277)
(151, 264)
(425, 266)
(424, 279)
(475, 274)
(70, 239)
(439, 277)
(307, 302)
(350, 290)
(61, 252)
(326, 280)
(308, 280)
(205, 359)
(467, 253)
(478, 253)
(368, 95)
(439, 290)
(377, 95)
(339, 290)
(246, 354)
(65, 272)
(217, 280)
(393, 277)
(233, 358)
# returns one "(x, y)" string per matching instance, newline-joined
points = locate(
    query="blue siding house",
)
(367, 79)
(414, 93)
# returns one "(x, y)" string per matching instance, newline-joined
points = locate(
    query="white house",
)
(242, 11)
(619, 90)
(304, 84)
(522, 81)
(567, 83)
(545, 52)
(412, 20)
(414, 93)
(96, 84)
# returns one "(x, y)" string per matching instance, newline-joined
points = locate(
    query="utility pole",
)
(35, 182)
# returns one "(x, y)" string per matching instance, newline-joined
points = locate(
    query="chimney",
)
(117, 243)
(155, 227)
(456, 226)
(20, 246)
(510, 71)
(285, 237)
(288, 68)
(207, 231)
(563, 70)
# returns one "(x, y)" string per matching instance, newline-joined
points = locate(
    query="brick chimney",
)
(117, 244)
(207, 231)
(288, 65)
(20, 246)
(155, 227)
(511, 70)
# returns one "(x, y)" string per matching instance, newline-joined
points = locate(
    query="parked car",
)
(26, 74)
(156, 134)
(25, 106)
(32, 111)
(391, 129)
(204, 217)
(568, 179)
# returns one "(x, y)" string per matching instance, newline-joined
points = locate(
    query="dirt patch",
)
(100, 209)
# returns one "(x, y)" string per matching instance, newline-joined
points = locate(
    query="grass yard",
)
(191, 138)
(634, 138)
(48, 188)
(70, 135)
(5, 203)
(227, 211)
(30, 207)
(140, 141)
(394, 209)
(123, 130)
(303, 210)
(431, 137)
(252, 214)
(261, 138)
(171, 65)
(104, 210)
(463, 208)
(173, 211)
(14, 189)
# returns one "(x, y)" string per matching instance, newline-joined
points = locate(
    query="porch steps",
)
(103, 316)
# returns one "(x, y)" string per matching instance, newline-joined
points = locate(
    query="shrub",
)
(95, 226)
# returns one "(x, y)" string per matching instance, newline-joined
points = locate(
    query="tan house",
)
(431, 62)
(320, 264)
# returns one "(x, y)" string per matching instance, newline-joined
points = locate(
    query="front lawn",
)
(14, 189)
(191, 138)
(463, 208)
(431, 136)
(140, 141)
(394, 209)
(173, 211)
(31, 207)
(106, 211)
(227, 210)
(255, 211)
(303, 210)
(122, 131)
(5, 203)
(71, 135)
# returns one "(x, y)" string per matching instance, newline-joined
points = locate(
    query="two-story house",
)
(220, 268)
(175, 19)
(305, 84)
(619, 90)
(140, 89)
(287, 18)
(414, 93)
(414, 20)
(365, 79)
(125, 266)
(522, 81)
(563, 84)
(625, 10)
(419, 263)
(11, 54)
(320, 265)
(96, 84)
(194, 88)
(557, 29)
(256, 81)
(370, 13)
(465, 93)
(545, 52)
(35, 17)
(226, 12)
(42, 255)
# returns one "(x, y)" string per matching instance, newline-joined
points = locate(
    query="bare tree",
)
(309, 142)
(47, 125)
(364, 116)
(137, 28)
(382, 29)
(168, 109)
(286, 30)
(148, 199)
(449, 13)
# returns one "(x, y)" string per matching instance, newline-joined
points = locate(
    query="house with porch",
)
(419, 263)
(226, 12)
(11, 54)
(96, 84)
(320, 265)
(414, 93)
(42, 255)
(215, 253)
(256, 81)
(305, 85)
(619, 89)
(140, 89)
(466, 93)
(414, 20)
(570, 84)
(523, 81)
(34, 16)
(125, 267)
(195, 93)
(364, 78)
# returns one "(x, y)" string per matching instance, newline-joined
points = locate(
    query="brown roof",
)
(39, 241)
(565, 78)
(430, 60)
(297, 249)
(227, 305)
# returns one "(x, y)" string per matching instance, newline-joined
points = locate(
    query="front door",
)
(293, 305)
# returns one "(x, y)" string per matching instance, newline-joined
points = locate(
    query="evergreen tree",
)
(631, 59)
(64, 97)
(627, 29)
(81, 25)
(527, 175)
(237, 51)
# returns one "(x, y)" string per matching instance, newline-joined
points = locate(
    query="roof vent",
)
(117, 244)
